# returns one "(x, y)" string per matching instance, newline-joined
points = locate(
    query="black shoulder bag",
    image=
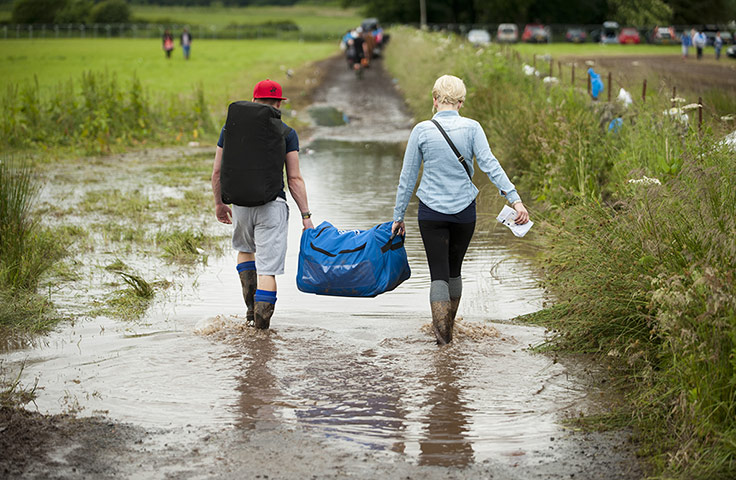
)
(460, 158)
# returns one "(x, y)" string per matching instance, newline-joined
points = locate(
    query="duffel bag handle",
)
(393, 246)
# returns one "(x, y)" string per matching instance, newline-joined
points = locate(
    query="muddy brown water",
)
(362, 376)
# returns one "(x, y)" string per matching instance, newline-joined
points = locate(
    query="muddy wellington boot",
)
(265, 303)
(248, 281)
(442, 322)
(454, 304)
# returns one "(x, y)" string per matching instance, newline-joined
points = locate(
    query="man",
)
(260, 231)
(699, 40)
(186, 43)
(718, 45)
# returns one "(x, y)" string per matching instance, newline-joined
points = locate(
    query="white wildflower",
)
(645, 181)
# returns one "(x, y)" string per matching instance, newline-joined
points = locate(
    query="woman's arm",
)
(409, 175)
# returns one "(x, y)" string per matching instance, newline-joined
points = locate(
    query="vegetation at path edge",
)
(636, 235)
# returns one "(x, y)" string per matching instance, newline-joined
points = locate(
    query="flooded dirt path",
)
(338, 388)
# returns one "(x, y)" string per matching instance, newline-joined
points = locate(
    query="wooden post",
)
(644, 91)
(700, 113)
(588, 77)
(610, 87)
(674, 95)
(534, 61)
(572, 76)
(559, 68)
(551, 67)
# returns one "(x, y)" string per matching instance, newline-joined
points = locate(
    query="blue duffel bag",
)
(351, 263)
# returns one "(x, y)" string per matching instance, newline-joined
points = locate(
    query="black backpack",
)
(253, 156)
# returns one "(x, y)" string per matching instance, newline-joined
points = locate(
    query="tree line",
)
(629, 12)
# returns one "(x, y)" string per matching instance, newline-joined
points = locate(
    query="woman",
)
(447, 195)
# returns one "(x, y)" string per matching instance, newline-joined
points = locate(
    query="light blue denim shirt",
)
(445, 186)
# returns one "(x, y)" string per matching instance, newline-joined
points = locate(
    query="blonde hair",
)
(449, 89)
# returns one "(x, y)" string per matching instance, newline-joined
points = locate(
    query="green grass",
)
(593, 49)
(309, 18)
(226, 69)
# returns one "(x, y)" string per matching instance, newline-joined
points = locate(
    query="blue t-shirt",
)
(292, 145)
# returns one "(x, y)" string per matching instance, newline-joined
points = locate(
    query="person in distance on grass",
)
(186, 43)
(251, 153)
(447, 195)
(168, 42)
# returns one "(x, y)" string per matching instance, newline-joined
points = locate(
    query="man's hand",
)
(224, 213)
(307, 223)
(522, 215)
(398, 228)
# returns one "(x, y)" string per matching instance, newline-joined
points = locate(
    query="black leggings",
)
(445, 244)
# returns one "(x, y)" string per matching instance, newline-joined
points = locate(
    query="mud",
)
(337, 387)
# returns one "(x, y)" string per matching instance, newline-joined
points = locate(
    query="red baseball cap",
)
(268, 89)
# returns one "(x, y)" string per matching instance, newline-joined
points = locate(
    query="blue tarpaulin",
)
(596, 84)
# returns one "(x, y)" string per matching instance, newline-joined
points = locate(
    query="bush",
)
(75, 11)
(110, 11)
(36, 11)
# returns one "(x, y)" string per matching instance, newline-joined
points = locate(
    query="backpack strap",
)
(460, 158)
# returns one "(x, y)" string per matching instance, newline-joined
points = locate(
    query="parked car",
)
(710, 35)
(478, 36)
(629, 35)
(731, 51)
(576, 35)
(535, 33)
(664, 36)
(609, 33)
(507, 33)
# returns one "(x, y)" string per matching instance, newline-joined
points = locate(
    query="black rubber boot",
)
(441, 322)
(263, 314)
(249, 281)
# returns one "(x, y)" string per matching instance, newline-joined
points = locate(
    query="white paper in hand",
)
(507, 217)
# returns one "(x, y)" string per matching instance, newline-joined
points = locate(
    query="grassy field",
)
(309, 18)
(225, 68)
(593, 49)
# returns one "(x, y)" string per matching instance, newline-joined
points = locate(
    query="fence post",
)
(534, 61)
(589, 89)
(559, 68)
(644, 91)
(700, 114)
(551, 67)
(572, 76)
(674, 95)
(610, 87)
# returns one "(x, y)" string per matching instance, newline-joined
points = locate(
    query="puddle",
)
(328, 116)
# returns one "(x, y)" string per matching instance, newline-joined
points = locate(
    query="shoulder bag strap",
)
(460, 158)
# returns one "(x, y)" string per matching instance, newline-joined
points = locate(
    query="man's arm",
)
(297, 188)
(223, 212)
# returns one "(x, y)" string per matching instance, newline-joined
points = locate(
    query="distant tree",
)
(698, 12)
(640, 12)
(75, 11)
(36, 11)
(110, 11)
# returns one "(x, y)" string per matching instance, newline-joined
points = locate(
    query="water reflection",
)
(257, 385)
(446, 440)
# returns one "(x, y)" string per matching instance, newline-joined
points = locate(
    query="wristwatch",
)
(306, 214)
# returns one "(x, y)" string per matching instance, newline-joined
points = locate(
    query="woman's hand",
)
(398, 228)
(522, 215)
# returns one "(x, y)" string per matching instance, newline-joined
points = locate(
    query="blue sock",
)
(265, 296)
(246, 266)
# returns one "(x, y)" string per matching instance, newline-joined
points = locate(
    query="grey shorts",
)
(263, 231)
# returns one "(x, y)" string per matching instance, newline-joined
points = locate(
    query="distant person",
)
(248, 167)
(687, 42)
(699, 40)
(447, 194)
(355, 53)
(718, 45)
(168, 43)
(186, 43)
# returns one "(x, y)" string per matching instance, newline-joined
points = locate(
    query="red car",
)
(629, 35)
(535, 33)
